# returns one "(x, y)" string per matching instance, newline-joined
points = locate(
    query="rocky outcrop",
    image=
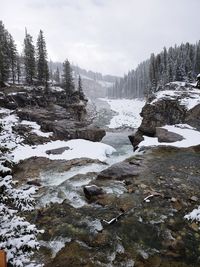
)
(50, 109)
(169, 109)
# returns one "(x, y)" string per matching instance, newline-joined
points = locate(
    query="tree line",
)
(32, 66)
(178, 63)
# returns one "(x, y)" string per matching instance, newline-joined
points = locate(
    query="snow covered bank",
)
(190, 135)
(128, 112)
(187, 97)
(76, 148)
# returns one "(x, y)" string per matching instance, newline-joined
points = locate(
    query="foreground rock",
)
(145, 233)
(120, 171)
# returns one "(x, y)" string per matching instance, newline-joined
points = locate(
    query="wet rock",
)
(119, 171)
(34, 182)
(92, 191)
(73, 254)
(166, 136)
(32, 167)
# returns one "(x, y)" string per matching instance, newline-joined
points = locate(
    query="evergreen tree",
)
(4, 54)
(67, 83)
(29, 58)
(80, 89)
(18, 68)
(12, 50)
(197, 59)
(57, 75)
(42, 63)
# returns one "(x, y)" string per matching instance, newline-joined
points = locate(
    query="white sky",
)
(109, 36)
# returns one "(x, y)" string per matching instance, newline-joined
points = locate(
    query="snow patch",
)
(193, 215)
(78, 148)
(190, 135)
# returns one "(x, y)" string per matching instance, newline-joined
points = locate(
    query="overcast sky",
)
(109, 36)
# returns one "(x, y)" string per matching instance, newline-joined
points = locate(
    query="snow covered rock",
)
(177, 104)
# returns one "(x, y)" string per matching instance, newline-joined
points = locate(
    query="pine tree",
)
(29, 59)
(67, 83)
(18, 68)
(57, 75)
(197, 59)
(12, 57)
(4, 54)
(42, 63)
(80, 89)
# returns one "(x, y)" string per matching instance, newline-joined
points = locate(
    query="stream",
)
(59, 186)
(120, 228)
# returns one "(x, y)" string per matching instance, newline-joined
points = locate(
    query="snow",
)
(128, 112)
(193, 215)
(18, 237)
(190, 135)
(78, 148)
(56, 89)
(198, 76)
(188, 97)
(36, 128)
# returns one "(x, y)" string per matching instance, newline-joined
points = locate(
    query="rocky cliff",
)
(177, 103)
(52, 110)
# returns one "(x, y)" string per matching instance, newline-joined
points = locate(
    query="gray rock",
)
(119, 171)
(166, 136)
(57, 151)
(92, 191)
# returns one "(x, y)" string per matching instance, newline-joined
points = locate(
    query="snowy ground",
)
(128, 112)
(191, 137)
(77, 148)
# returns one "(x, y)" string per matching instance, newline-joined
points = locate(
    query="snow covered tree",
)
(18, 237)
(42, 63)
(80, 87)
(67, 82)
(29, 59)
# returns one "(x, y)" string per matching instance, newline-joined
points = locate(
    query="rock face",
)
(67, 120)
(192, 117)
(167, 110)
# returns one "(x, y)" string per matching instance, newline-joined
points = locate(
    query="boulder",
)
(166, 136)
(163, 112)
(119, 171)
(91, 191)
